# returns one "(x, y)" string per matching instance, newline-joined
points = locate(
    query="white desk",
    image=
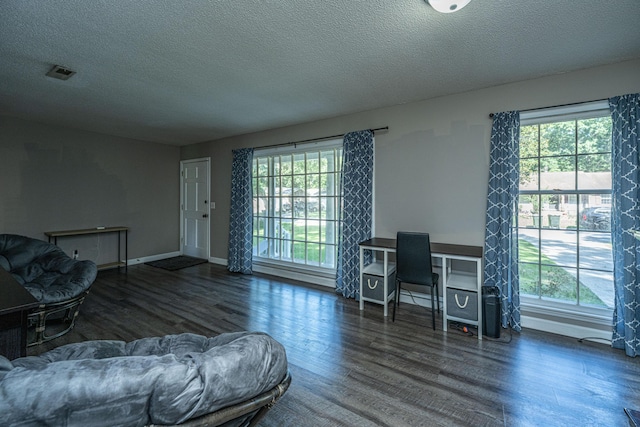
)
(459, 266)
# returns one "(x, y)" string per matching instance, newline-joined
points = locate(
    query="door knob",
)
(205, 216)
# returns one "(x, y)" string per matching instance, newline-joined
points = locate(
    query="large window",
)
(295, 205)
(564, 219)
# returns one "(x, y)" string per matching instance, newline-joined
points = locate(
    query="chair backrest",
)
(413, 258)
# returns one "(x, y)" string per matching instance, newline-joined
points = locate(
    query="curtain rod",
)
(306, 141)
(556, 106)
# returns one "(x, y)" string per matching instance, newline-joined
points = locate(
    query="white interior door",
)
(195, 207)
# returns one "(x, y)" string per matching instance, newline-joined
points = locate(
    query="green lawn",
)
(551, 281)
(311, 232)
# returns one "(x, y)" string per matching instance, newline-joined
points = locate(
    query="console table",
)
(15, 303)
(98, 230)
(459, 266)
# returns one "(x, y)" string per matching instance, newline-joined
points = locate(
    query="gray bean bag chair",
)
(166, 380)
(57, 281)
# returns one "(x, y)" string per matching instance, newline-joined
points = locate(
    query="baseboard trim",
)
(284, 273)
(294, 275)
(150, 258)
(566, 329)
(219, 261)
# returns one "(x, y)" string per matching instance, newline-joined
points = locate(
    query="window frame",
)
(293, 150)
(567, 310)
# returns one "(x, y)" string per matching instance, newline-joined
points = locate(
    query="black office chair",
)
(413, 266)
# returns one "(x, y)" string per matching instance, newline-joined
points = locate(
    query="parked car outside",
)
(596, 218)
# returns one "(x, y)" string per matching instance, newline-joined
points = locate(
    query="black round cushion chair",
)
(58, 282)
(231, 379)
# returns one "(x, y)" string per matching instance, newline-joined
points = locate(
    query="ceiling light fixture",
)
(448, 6)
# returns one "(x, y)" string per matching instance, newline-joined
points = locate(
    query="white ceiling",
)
(182, 72)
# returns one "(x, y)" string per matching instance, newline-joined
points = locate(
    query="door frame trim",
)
(181, 202)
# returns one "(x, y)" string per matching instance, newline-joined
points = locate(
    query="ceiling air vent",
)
(60, 73)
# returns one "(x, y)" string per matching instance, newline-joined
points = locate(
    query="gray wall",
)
(54, 178)
(431, 167)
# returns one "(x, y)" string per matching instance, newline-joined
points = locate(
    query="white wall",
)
(431, 167)
(53, 178)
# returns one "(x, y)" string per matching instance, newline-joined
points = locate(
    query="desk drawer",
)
(373, 286)
(462, 304)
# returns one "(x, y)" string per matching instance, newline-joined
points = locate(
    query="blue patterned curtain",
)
(501, 238)
(241, 220)
(356, 189)
(625, 116)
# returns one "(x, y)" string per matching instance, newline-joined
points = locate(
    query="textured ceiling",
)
(181, 72)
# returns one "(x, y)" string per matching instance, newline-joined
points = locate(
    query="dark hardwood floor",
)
(353, 368)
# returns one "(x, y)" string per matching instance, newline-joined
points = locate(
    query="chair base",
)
(49, 321)
(435, 302)
(247, 413)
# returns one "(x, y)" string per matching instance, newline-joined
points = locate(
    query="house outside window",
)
(564, 218)
(296, 205)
